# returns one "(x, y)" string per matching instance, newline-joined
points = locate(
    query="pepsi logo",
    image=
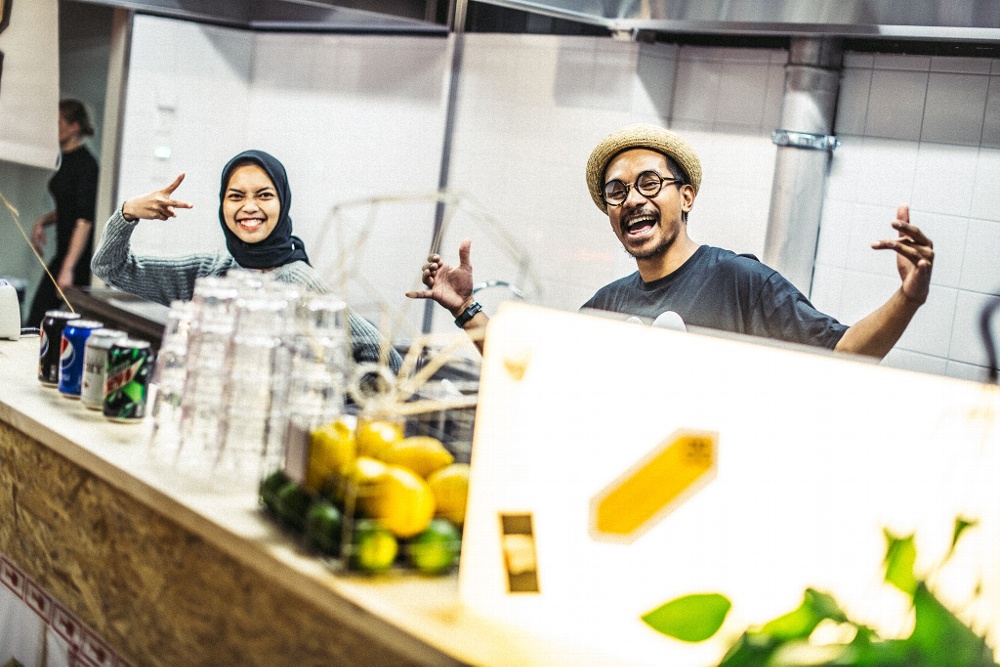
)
(66, 353)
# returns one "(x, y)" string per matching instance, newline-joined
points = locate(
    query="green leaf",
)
(900, 556)
(752, 649)
(801, 653)
(691, 618)
(800, 623)
(960, 527)
(889, 653)
(941, 639)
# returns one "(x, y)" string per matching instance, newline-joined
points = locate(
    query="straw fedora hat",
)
(652, 137)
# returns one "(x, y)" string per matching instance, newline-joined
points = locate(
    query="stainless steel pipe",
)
(812, 81)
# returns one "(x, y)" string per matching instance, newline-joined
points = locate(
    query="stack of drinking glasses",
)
(168, 378)
(240, 364)
(318, 373)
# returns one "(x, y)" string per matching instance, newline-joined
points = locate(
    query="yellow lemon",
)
(375, 435)
(450, 487)
(332, 450)
(361, 478)
(422, 454)
(401, 501)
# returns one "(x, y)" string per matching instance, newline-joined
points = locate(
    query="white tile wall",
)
(991, 120)
(985, 193)
(954, 108)
(981, 269)
(925, 363)
(855, 86)
(944, 179)
(936, 151)
(966, 341)
(896, 104)
(887, 170)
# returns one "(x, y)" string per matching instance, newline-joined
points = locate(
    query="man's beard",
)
(659, 249)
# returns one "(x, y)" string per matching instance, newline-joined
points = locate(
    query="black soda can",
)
(74, 343)
(51, 345)
(130, 363)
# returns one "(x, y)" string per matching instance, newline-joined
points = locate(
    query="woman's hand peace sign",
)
(156, 205)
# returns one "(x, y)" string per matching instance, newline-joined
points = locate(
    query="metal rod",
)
(457, 38)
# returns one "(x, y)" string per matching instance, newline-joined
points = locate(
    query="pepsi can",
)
(74, 340)
(51, 348)
(95, 366)
(130, 363)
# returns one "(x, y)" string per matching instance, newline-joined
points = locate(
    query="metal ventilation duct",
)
(976, 20)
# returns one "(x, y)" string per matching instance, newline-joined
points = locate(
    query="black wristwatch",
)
(468, 314)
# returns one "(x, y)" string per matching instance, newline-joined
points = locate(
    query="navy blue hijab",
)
(280, 247)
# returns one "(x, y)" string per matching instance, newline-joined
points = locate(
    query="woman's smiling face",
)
(250, 204)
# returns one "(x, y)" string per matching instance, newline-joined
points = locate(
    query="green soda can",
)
(130, 363)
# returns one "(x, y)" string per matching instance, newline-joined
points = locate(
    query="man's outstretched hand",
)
(450, 286)
(914, 256)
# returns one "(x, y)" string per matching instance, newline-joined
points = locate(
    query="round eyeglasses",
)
(649, 184)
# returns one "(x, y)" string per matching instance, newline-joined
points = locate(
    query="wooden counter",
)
(168, 575)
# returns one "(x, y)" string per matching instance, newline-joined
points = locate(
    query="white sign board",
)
(814, 455)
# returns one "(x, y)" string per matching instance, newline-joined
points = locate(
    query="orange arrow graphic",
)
(649, 489)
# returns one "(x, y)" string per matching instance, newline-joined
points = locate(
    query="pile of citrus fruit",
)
(375, 498)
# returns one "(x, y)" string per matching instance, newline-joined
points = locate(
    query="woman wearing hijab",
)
(253, 211)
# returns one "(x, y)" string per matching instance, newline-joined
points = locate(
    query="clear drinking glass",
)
(247, 393)
(168, 377)
(281, 368)
(319, 367)
(202, 401)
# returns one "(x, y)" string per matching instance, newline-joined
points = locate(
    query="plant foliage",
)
(939, 637)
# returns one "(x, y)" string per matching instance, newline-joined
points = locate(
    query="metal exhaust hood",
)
(379, 16)
(959, 20)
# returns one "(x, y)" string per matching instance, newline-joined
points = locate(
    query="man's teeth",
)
(640, 221)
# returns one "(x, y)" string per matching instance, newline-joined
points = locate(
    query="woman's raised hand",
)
(156, 205)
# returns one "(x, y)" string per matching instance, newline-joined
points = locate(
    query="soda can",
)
(51, 347)
(95, 366)
(130, 363)
(74, 340)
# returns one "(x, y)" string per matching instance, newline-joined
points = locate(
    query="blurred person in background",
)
(74, 189)
(645, 178)
(254, 204)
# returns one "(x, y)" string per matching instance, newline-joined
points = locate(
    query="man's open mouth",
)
(639, 225)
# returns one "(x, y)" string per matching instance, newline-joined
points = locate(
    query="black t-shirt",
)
(74, 189)
(719, 289)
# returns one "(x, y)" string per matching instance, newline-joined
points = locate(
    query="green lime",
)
(292, 502)
(269, 487)
(323, 525)
(373, 547)
(436, 549)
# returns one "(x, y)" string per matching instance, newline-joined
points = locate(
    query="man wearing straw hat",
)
(646, 179)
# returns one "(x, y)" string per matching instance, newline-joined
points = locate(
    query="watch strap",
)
(467, 314)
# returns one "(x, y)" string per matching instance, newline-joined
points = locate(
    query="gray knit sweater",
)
(165, 279)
